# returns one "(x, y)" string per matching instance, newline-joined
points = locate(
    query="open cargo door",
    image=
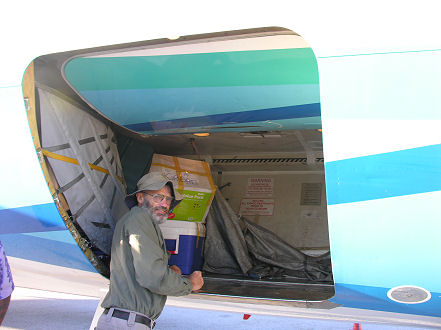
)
(247, 102)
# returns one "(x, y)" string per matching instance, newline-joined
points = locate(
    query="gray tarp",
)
(235, 245)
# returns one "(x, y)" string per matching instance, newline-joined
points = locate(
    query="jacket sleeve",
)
(150, 261)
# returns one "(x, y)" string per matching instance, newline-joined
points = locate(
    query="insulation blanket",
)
(235, 245)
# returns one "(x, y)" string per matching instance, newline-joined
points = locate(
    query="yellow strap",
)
(179, 174)
(74, 161)
(59, 157)
(178, 169)
(98, 168)
(197, 233)
(210, 180)
(208, 175)
(203, 239)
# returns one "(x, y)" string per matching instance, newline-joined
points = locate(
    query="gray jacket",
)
(140, 279)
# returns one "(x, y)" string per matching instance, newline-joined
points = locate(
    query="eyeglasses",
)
(158, 198)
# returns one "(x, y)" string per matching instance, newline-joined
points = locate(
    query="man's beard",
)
(151, 210)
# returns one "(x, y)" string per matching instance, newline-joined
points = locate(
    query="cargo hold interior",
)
(294, 185)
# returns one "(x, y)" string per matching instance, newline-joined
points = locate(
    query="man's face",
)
(151, 201)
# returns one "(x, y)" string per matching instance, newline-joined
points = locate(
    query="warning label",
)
(261, 187)
(255, 206)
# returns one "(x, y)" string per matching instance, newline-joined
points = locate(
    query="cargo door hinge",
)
(40, 155)
(27, 104)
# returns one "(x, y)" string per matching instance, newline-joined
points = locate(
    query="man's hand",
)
(196, 279)
(176, 269)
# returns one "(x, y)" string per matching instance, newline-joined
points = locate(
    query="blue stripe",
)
(46, 251)
(399, 173)
(270, 125)
(61, 236)
(375, 298)
(34, 218)
(296, 111)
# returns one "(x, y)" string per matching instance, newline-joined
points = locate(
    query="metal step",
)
(285, 288)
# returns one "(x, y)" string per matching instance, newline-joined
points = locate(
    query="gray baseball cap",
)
(153, 181)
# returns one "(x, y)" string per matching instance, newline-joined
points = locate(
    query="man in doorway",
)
(140, 278)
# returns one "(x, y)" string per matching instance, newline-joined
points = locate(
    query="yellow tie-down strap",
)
(74, 161)
(199, 234)
(210, 180)
(179, 172)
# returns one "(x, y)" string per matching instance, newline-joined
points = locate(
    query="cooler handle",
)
(170, 233)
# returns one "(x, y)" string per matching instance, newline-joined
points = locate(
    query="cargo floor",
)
(285, 288)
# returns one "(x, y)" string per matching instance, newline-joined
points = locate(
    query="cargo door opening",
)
(273, 182)
(245, 102)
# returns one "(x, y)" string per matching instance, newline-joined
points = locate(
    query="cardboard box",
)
(193, 180)
(185, 242)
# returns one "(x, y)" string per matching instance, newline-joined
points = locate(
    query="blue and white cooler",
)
(185, 242)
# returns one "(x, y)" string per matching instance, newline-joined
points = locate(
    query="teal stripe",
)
(383, 53)
(13, 86)
(245, 68)
(135, 106)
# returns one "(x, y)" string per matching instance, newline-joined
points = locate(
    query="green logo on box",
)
(193, 206)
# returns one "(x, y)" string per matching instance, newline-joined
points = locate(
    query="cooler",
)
(185, 242)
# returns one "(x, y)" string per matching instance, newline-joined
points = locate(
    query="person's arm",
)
(151, 262)
(176, 269)
(196, 280)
